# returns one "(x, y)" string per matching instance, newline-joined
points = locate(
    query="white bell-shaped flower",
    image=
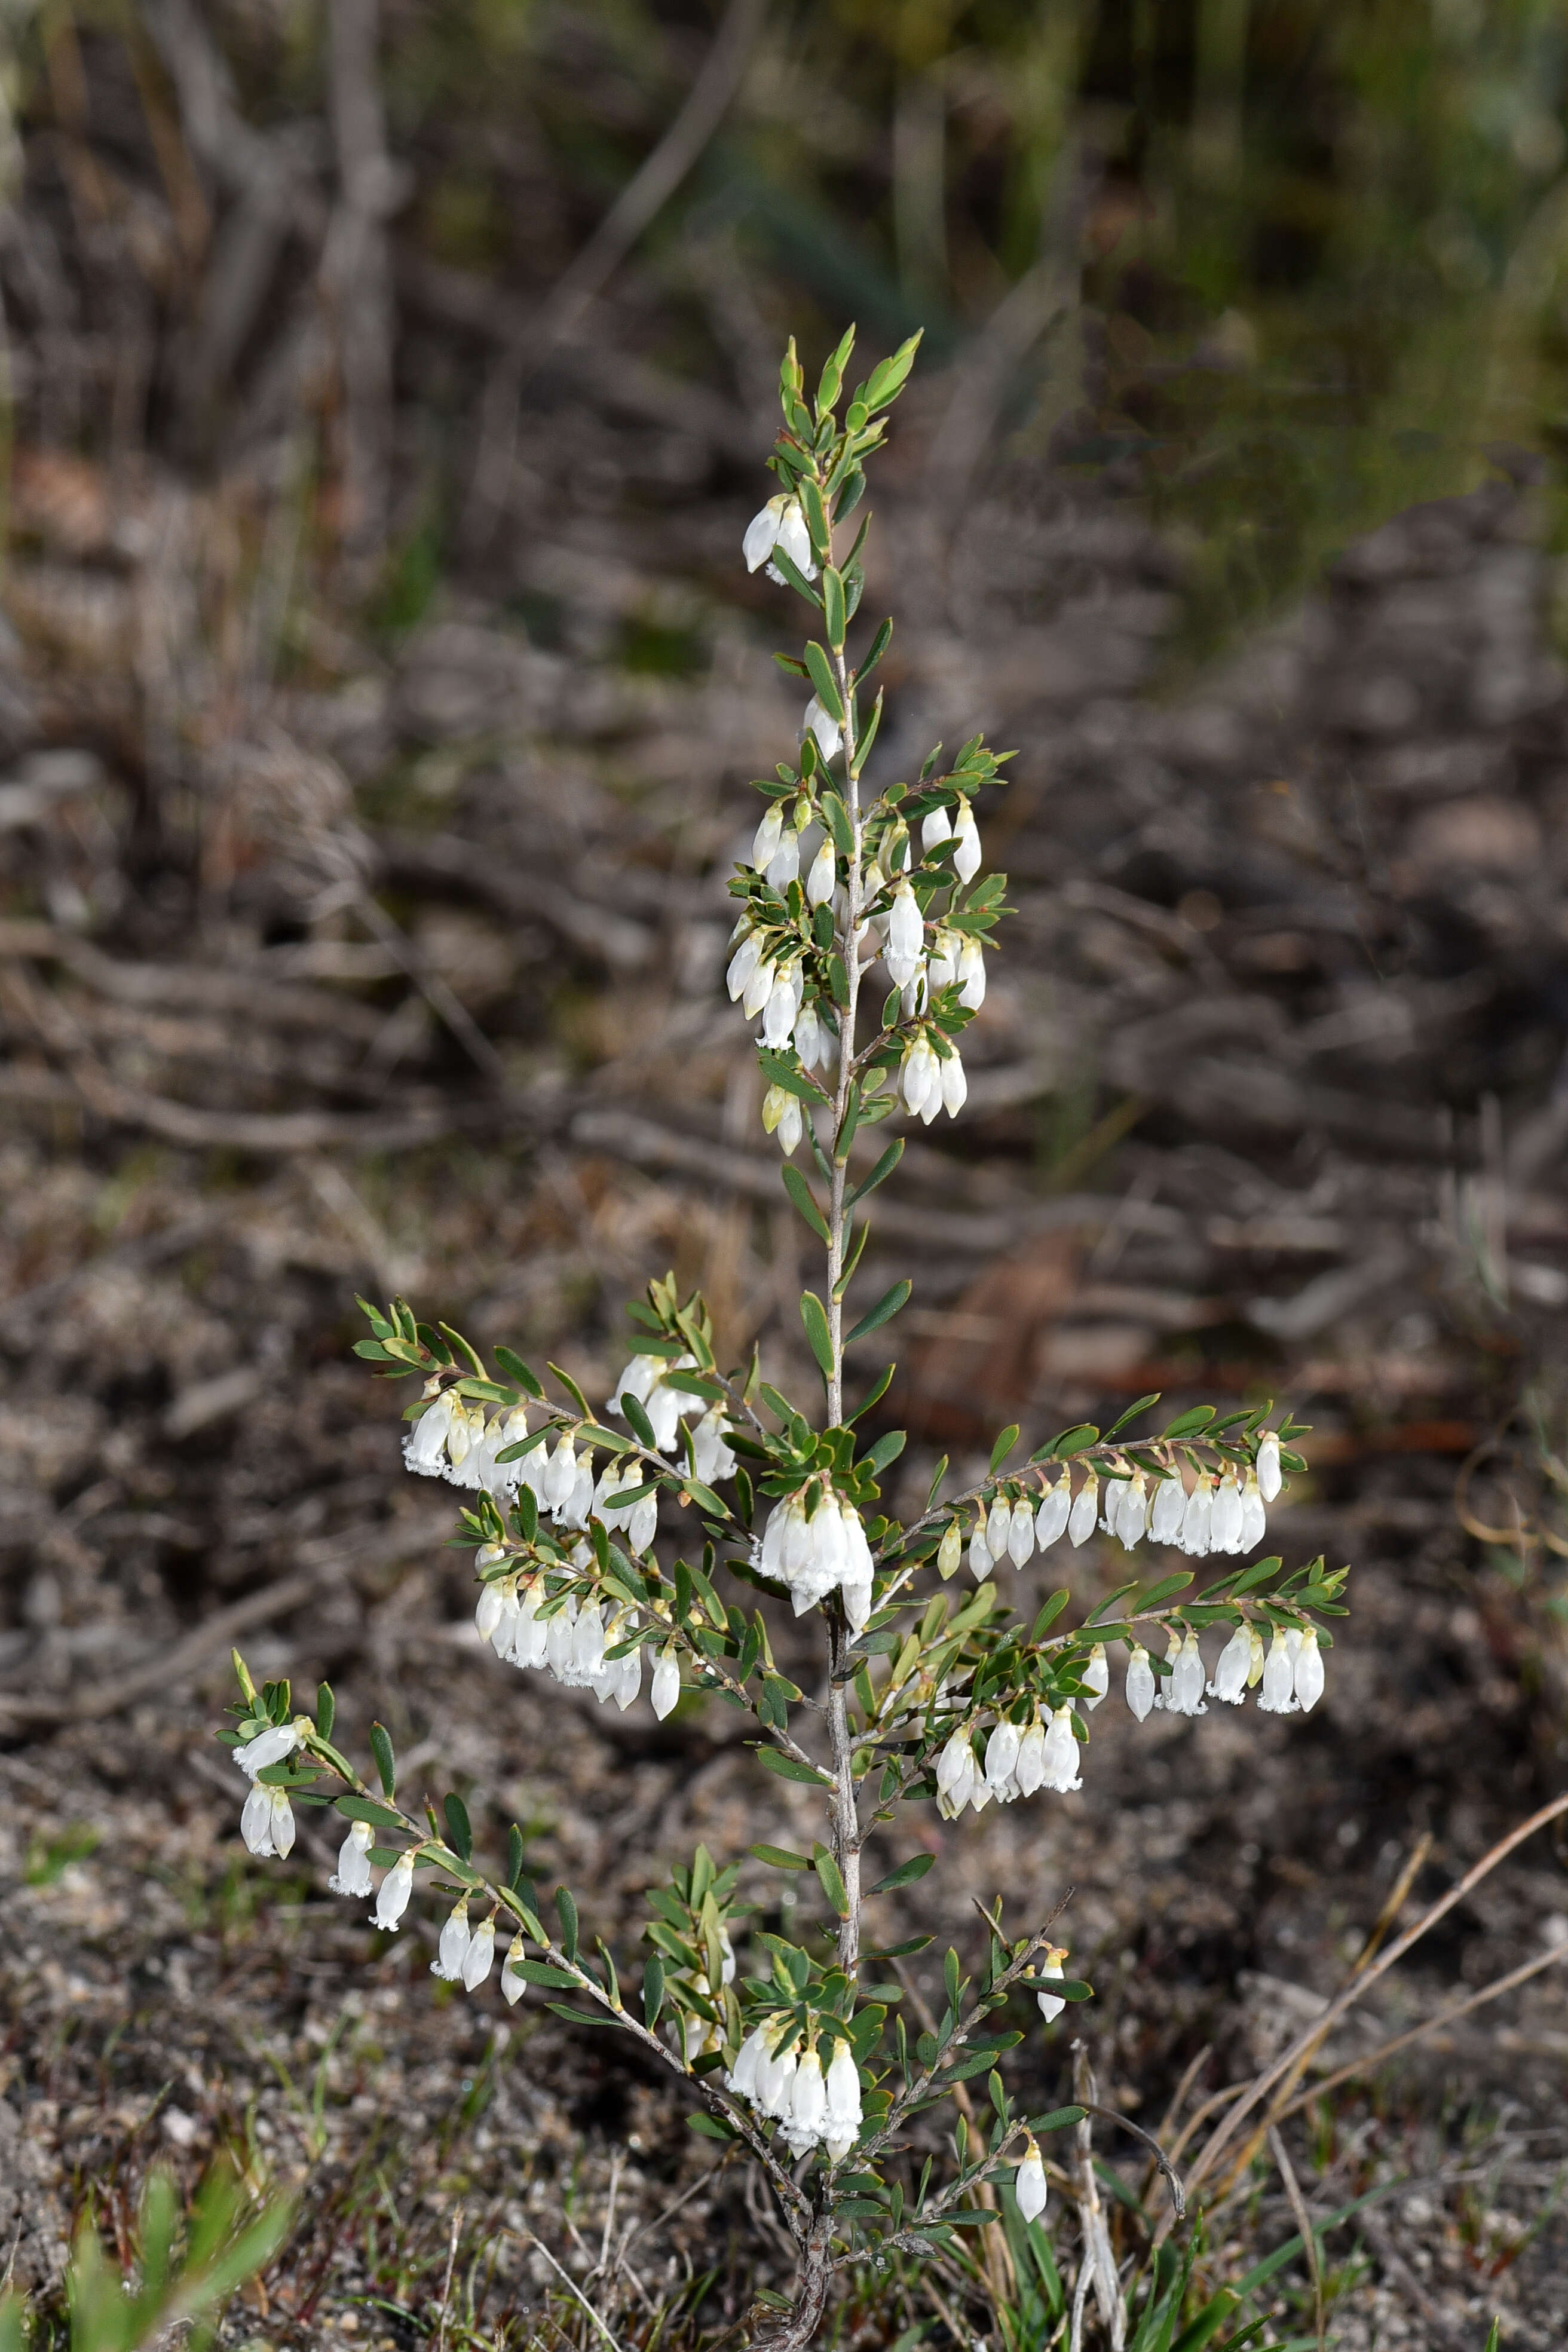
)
(1225, 1521)
(1021, 1531)
(1169, 1509)
(1051, 1519)
(392, 1899)
(711, 1458)
(1029, 1771)
(1133, 1514)
(425, 1448)
(1254, 1524)
(972, 975)
(1197, 1527)
(980, 1561)
(782, 1117)
(1235, 1663)
(842, 2125)
(966, 835)
(783, 865)
(513, 1983)
(1084, 1510)
(1061, 1753)
(1094, 1675)
(920, 1074)
(906, 933)
(1277, 1696)
(559, 1632)
(936, 827)
(813, 1040)
(351, 1876)
(825, 726)
(998, 1526)
(742, 2078)
(255, 1822)
(1308, 1677)
(269, 1746)
(1185, 1691)
(823, 878)
(1269, 1479)
(957, 1776)
(1140, 1685)
(1029, 2182)
(949, 1551)
(664, 1691)
(1050, 1970)
(808, 2104)
(452, 1950)
(1001, 1758)
(779, 524)
(479, 1957)
(955, 1086)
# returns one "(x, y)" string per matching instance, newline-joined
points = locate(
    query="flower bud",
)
(1094, 1675)
(967, 834)
(1140, 1685)
(1309, 1671)
(1084, 1510)
(1269, 1480)
(1051, 1519)
(664, 1691)
(1029, 2183)
(949, 1551)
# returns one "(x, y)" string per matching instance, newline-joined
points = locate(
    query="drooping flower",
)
(1309, 1671)
(949, 1551)
(1225, 1521)
(452, 1948)
(1021, 1531)
(998, 1525)
(920, 1074)
(823, 878)
(782, 1117)
(1169, 1509)
(966, 835)
(979, 1551)
(1001, 1758)
(936, 827)
(351, 1876)
(1061, 1753)
(664, 1691)
(257, 1823)
(807, 2112)
(779, 524)
(269, 1746)
(1235, 1663)
(1030, 1772)
(1277, 1696)
(906, 935)
(1051, 1519)
(1269, 1479)
(479, 1957)
(1132, 1513)
(841, 2127)
(1084, 1510)
(957, 1776)
(1094, 1675)
(392, 1899)
(954, 1087)
(513, 1984)
(1051, 2003)
(1185, 1690)
(711, 1458)
(424, 1446)
(1029, 2182)
(828, 733)
(1141, 1693)
(1253, 1525)
(1197, 1518)
(972, 975)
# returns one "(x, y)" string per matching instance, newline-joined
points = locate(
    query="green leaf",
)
(1131, 1414)
(833, 614)
(712, 2127)
(459, 1833)
(516, 1370)
(906, 1873)
(779, 1857)
(1187, 1424)
(782, 1070)
(799, 1191)
(1165, 1590)
(887, 379)
(636, 1420)
(568, 1911)
(374, 1353)
(652, 1991)
(545, 1972)
(515, 1856)
(1068, 1988)
(815, 515)
(832, 1883)
(879, 1174)
(1003, 1447)
(823, 679)
(790, 1768)
(814, 1314)
(887, 1306)
(1071, 1442)
(326, 1709)
(888, 1448)
(361, 1808)
(838, 825)
(385, 1762)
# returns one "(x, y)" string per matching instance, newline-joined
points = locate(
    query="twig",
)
(1304, 2224)
(447, 2281)
(1173, 2179)
(1098, 2257)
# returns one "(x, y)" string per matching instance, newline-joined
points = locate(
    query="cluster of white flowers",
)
(814, 1543)
(931, 1082)
(1224, 1515)
(779, 524)
(570, 1643)
(454, 1439)
(1019, 1760)
(267, 1818)
(812, 2107)
(464, 1955)
(1291, 1672)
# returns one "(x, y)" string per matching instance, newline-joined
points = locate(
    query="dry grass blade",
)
(1285, 2067)
(1303, 2220)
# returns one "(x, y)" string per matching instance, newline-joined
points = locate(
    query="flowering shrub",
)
(925, 1694)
